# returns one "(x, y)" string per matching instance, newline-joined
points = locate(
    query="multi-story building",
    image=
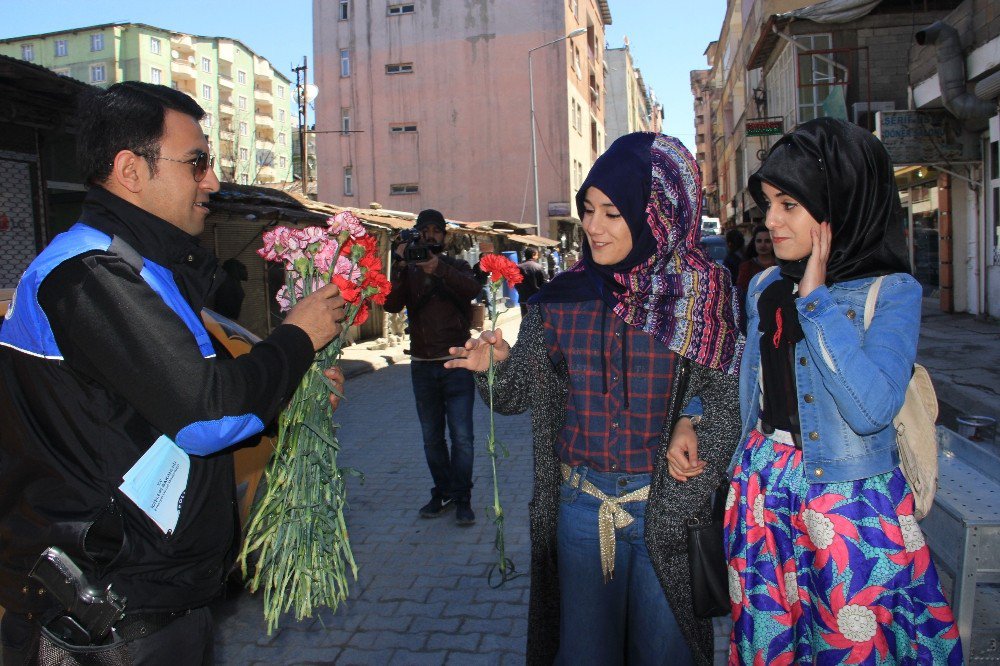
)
(429, 105)
(247, 102)
(702, 93)
(631, 106)
(778, 63)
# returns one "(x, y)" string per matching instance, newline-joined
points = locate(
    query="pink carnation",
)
(325, 257)
(346, 269)
(346, 221)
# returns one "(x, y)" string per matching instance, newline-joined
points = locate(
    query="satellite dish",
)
(174, 54)
(311, 93)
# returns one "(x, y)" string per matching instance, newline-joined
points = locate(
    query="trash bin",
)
(977, 428)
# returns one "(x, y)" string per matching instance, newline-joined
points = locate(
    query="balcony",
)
(226, 109)
(263, 121)
(182, 68)
(226, 81)
(262, 68)
(263, 96)
(226, 134)
(226, 51)
(264, 145)
(227, 162)
(265, 174)
(183, 44)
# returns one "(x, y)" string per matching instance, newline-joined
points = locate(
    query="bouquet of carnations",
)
(298, 529)
(500, 268)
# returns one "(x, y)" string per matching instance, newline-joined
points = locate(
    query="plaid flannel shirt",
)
(618, 430)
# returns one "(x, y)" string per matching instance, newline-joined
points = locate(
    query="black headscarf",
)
(843, 175)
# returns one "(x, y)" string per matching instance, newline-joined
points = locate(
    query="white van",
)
(710, 226)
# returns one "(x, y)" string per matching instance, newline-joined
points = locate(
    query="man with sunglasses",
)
(103, 362)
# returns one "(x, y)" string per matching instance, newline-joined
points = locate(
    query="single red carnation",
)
(501, 268)
(350, 291)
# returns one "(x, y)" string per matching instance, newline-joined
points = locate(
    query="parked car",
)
(710, 225)
(716, 247)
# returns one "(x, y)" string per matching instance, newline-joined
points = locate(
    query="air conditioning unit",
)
(864, 112)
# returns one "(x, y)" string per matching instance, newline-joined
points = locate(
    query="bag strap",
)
(872, 298)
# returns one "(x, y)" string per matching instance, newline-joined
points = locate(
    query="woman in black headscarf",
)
(606, 357)
(827, 561)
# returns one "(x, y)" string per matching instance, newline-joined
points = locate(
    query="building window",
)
(282, 162)
(155, 75)
(401, 8)
(404, 188)
(244, 130)
(27, 52)
(345, 62)
(344, 10)
(281, 92)
(242, 103)
(575, 6)
(207, 120)
(206, 91)
(348, 181)
(97, 42)
(61, 48)
(241, 76)
(244, 154)
(403, 128)
(817, 77)
(399, 68)
(154, 45)
(244, 179)
(345, 119)
(206, 64)
(576, 62)
(281, 139)
(281, 115)
(97, 74)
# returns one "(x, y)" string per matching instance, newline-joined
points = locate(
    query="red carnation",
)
(500, 268)
(350, 291)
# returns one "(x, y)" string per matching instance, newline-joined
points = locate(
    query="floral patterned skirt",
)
(829, 573)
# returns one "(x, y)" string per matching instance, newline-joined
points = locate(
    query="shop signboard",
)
(921, 137)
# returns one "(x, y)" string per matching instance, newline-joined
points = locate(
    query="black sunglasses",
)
(202, 162)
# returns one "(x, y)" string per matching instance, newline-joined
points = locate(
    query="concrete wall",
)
(467, 95)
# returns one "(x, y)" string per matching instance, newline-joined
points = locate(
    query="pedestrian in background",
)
(104, 363)
(534, 278)
(606, 357)
(760, 255)
(734, 255)
(437, 293)
(827, 561)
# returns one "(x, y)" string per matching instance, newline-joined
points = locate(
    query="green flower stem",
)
(503, 566)
(298, 530)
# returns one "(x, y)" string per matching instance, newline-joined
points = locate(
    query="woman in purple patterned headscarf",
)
(607, 356)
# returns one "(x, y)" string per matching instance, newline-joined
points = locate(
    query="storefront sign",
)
(920, 137)
(765, 127)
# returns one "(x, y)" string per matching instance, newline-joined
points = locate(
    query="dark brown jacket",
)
(439, 305)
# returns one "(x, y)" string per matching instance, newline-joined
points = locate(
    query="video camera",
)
(415, 251)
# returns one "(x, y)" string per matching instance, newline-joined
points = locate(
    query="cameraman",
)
(437, 291)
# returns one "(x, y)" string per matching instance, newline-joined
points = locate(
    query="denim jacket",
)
(850, 382)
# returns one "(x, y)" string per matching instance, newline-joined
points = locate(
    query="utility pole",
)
(301, 79)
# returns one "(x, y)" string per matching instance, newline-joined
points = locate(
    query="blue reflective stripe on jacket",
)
(27, 329)
(850, 382)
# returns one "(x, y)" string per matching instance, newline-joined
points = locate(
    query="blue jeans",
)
(446, 394)
(627, 619)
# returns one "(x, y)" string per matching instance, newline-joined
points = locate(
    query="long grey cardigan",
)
(529, 380)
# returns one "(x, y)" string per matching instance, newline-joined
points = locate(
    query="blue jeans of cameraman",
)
(446, 396)
(625, 620)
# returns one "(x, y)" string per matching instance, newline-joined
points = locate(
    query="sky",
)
(667, 38)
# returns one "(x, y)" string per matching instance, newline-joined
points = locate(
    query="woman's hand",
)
(336, 376)
(815, 275)
(475, 355)
(682, 455)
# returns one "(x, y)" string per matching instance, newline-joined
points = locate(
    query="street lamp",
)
(534, 149)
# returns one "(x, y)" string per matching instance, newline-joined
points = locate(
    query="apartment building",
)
(427, 104)
(247, 102)
(631, 105)
(702, 92)
(778, 63)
